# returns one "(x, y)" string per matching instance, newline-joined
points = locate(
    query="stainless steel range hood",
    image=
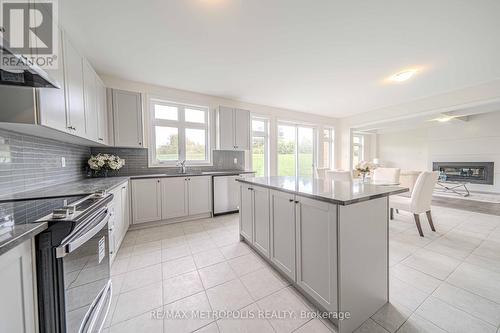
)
(21, 72)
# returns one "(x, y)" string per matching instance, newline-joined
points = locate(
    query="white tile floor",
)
(448, 281)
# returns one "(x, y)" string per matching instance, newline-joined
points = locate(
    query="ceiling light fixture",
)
(403, 75)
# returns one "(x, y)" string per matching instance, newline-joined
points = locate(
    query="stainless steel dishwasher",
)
(226, 193)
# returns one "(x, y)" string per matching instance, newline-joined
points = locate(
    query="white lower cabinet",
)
(246, 212)
(169, 198)
(120, 218)
(17, 287)
(199, 195)
(146, 200)
(174, 197)
(254, 217)
(261, 238)
(316, 223)
(283, 232)
(298, 235)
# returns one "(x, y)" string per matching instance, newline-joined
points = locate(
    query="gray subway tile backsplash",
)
(28, 162)
(136, 161)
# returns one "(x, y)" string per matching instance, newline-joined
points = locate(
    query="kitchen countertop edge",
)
(22, 232)
(324, 198)
(91, 185)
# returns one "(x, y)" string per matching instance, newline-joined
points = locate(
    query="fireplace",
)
(467, 172)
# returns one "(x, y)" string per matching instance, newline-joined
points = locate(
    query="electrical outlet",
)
(63, 162)
(235, 160)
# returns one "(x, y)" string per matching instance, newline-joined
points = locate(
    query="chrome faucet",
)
(182, 165)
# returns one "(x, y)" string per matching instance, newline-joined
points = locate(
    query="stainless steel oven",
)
(73, 267)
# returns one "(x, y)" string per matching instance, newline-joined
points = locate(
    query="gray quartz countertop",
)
(12, 236)
(88, 186)
(193, 174)
(72, 189)
(341, 193)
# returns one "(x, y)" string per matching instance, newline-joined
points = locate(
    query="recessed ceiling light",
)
(444, 118)
(403, 75)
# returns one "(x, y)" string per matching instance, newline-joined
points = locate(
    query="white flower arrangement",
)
(105, 162)
(364, 167)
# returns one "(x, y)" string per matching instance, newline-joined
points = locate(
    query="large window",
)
(296, 151)
(260, 146)
(358, 148)
(328, 143)
(179, 132)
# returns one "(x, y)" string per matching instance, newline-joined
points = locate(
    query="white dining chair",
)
(386, 175)
(420, 200)
(339, 175)
(321, 172)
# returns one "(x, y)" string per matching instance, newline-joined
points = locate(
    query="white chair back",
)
(389, 175)
(421, 196)
(408, 178)
(321, 172)
(338, 175)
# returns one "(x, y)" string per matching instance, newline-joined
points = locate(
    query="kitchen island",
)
(329, 239)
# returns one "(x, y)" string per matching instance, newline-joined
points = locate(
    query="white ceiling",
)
(326, 57)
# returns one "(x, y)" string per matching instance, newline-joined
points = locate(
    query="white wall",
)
(477, 140)
(213, 102)
(408, 149)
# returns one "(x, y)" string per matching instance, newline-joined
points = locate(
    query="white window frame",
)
(331, 147)
(315, 143)
(262, 134)
(181, 126)
(360, 145)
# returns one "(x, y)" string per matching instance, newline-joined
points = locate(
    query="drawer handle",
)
(290, 200)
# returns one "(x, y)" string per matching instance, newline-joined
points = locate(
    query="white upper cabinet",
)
(226, 128)
(75, 105)
(127, 118)
(234, 129)
(242, 129)
(90, 101)
(102, 114)
(95, 105)
(52, 102)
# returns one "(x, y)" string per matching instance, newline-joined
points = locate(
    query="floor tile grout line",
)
(463, 310)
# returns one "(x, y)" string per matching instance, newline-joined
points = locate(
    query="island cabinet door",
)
(283, 232)
(261, 219)
(316, 223)
(246, 212)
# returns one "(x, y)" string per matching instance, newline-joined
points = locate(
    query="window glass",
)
(258, 125)
(167, 143)
(179, 132)
(286, 150)
(195, 144)
(258, 155)
(166, 112)
(194, 116)
(305, 151)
